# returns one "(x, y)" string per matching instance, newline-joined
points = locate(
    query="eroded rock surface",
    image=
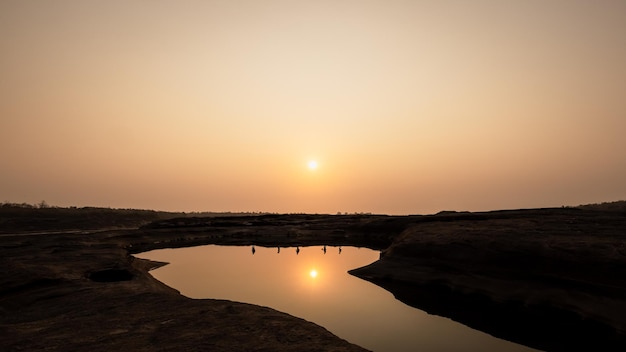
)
(553, 279)
(84, 292)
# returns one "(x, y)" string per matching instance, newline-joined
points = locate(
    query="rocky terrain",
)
(553, 279)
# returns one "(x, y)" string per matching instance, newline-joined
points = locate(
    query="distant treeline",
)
(20, 217)
(41, 216)
(619, 205)
(44, 205)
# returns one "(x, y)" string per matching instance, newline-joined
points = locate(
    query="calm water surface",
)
(313, 284)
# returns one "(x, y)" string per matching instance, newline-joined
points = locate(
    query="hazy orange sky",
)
(407, 106)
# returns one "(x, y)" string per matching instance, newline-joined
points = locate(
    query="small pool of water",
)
(312, 283)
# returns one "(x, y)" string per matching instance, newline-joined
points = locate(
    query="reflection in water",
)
(317, 287)
(297, 250)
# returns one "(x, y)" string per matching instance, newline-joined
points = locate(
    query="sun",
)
(312, 165)
(313, 273)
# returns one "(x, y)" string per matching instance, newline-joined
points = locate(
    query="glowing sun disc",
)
(312, 164)
(313, 273)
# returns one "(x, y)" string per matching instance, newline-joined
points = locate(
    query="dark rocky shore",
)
(553, 279)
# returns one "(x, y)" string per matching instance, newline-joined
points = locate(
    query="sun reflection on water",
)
(313, 283)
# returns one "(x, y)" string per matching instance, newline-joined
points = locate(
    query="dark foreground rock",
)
(84, 292)
(553, 279)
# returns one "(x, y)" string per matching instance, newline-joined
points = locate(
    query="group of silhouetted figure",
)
(297, 250)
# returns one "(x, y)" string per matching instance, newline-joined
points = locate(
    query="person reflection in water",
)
(324, 249)
(297, 250)
(253, 250)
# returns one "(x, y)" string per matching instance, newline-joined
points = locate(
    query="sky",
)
(408, 107)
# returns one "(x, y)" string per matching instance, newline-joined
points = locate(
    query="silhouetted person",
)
(339, 249)
(253, 250)
(324, 249)
(297, 250)
(278, 250)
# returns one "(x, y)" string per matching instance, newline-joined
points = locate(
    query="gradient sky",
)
(407, 106)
